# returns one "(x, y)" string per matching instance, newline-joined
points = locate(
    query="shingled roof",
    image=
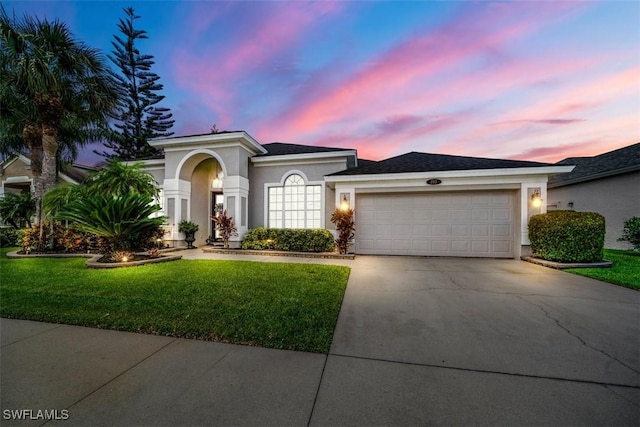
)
(622, 160)
(281, 149)
(426, 162)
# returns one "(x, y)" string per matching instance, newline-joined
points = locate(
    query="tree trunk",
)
(32, 137)
(50, 113)
(49, 161)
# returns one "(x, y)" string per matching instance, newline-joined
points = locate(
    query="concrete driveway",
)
(436, 341)
(419, 341)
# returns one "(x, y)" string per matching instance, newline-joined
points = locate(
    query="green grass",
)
(277, 305)
(624, 272)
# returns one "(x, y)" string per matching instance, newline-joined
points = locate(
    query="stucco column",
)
(177, 203)
(236, 201)
(527, 209)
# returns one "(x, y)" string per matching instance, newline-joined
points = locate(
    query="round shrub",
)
(286, 239)
(631, 232)
(567, 236)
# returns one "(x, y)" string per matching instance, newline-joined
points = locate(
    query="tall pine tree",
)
(137, 118)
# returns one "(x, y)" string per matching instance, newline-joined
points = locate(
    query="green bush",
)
(567, 236)
(286, 239)
(10, 237)
(631, 232)
(59, 239)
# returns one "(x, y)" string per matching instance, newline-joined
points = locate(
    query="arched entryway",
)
(202, 182)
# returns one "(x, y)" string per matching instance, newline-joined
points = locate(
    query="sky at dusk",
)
(541, 80)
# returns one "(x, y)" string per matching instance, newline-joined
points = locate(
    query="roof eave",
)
(305, 156)
(249, 142)
(467, 173)
(591, 177)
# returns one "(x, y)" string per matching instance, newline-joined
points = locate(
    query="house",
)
(413, 204)
(608, 184)
(16, 175)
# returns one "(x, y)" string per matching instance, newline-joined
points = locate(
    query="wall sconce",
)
(217, 181)
(344, 202)
(536, 200)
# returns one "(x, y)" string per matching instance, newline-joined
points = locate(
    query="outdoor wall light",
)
(344, 202)
(217, 181)
(536, 200)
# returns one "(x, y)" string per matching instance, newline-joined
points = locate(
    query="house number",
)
(434, 181)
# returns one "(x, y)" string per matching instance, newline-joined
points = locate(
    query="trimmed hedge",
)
(568, 236)
(286, 239)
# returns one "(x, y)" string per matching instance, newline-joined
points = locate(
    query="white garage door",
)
(465, 224)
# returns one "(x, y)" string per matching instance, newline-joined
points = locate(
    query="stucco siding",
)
(617, 198)
(157, 174)
(259, 175)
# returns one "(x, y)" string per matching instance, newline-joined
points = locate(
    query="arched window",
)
(294, 205)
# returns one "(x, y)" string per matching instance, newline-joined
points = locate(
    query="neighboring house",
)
(608, 184)
(16, 176)
(413, 204)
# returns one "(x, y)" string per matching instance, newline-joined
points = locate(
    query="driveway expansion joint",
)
(484, 371)
(548, 315)
(633, 402)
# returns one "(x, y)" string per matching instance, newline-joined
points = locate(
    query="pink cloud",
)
(392, 79)
(215, 73)
(586, 148)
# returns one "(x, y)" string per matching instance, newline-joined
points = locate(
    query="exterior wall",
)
(261, 174)
(522, 182)
(617, 198)
(16, 178)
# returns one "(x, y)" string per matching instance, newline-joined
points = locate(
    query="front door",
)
(217, 206)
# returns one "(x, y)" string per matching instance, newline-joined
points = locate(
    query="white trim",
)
(470, 173)
(268, 185)
(17, 179)
(301, 162)
(149, 164)
(241, 138)
(196, 152)
(303, 156)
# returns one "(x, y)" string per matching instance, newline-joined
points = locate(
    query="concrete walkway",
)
(419, 341)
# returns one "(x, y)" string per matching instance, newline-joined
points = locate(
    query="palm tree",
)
(119, 178)
(123, 220)
(17, 209)
(58, 82)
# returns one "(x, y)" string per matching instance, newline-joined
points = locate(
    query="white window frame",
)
(268, 186)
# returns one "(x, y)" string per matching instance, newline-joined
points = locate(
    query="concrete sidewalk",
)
(419, 341)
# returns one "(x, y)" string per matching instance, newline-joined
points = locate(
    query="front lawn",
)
(277, 305)
(625, 270)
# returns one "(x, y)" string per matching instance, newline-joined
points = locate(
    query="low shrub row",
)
(10, 237)
(568, 236)
(285, 239)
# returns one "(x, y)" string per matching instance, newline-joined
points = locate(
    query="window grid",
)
(294, 205)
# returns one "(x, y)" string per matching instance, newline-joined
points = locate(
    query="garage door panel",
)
(460, 246)
(460, 230)
(479, 230)
(441, 215)
(503, 247)
(480, 214)
(501, 231)
(501, 214)
(449, 224)
(480, 247)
